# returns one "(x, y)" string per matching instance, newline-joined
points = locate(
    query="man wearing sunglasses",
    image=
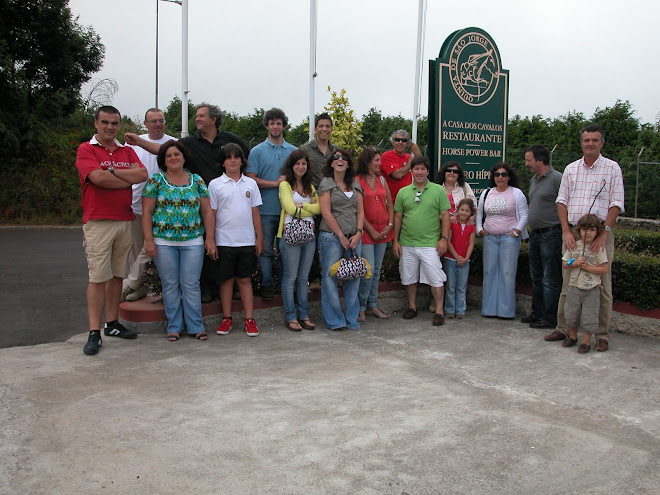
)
(395, 164)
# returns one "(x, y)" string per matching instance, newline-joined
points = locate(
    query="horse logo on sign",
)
(474, 68)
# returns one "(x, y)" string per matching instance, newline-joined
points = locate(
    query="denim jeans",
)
(296, 261)
(269, 226)
(500, 267)
(368, 293)
(455, 286)
(331, 251)
(545, 270)
(179, 268)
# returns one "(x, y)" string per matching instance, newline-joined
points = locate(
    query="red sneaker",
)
(225, 327)
(251, 327)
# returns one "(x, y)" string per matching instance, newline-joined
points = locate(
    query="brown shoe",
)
(438, 319)
(569, 342)
(602, 345)
(554, 336)
(584, 348)
(409, 314)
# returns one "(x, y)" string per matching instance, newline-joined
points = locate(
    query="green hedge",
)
(637, 241)
(635, 273)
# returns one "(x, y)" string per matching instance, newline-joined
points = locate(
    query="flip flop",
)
(383, 315)
(201, 336)
(172, 337)
(289, 325)
(307, 324)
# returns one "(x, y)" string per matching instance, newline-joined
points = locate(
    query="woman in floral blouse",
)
(176, 212)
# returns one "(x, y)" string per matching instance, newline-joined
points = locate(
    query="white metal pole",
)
(184, 68)
(418, 65)
(312, 64)
(156, 105)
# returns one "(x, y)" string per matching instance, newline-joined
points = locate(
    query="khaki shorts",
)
(107, 244)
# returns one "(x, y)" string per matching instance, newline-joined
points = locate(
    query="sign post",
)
(468, 105)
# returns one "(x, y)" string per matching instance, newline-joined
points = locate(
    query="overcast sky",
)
(566, 55)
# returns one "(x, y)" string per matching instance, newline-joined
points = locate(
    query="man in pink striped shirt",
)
(592, 184)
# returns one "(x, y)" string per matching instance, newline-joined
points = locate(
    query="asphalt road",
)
(42, 287)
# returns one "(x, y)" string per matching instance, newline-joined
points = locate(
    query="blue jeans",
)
(331, 251)
(296, 261)
(500, 267)
(269, 226)
(179, 268)
(455, 286)
(368, 293)
(546, 272)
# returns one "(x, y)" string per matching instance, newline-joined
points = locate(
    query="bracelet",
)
(360, 231)
(390, 224)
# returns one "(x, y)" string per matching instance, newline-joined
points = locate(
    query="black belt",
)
(546, 229)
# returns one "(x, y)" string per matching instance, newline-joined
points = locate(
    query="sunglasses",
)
(400, 140)
(500, 174)
(340, 156)
(452, 171)
(418, 195)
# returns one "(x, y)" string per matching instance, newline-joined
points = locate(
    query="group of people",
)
(207, 210)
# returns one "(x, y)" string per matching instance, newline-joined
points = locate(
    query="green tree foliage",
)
(45, 58)
(173, 117)
(250, 127)
(299, 134)
(347, 131)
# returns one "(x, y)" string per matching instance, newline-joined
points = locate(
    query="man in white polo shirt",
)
(133, 287)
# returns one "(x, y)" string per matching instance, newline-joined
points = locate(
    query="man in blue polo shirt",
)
(265, 167)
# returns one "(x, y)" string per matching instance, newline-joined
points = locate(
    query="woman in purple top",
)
(501, 221)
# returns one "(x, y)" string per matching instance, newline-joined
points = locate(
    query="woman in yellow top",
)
(298, 198)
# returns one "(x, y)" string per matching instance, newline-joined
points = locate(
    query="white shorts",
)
(421, 264)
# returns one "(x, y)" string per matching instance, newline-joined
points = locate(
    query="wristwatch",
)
(608, 228)
(446, 238)
(111, 169)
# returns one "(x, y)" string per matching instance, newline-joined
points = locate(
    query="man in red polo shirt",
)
(107, 172)
(395, 164)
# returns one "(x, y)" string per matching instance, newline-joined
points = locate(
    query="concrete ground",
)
(478, 406)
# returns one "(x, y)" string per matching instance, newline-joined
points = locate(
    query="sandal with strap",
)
(201, 336)
(290, 325)
(307, 324)
(172, 337)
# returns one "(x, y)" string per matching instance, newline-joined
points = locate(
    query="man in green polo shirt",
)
(421, 235)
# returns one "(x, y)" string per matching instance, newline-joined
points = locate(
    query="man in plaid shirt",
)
(592, 184)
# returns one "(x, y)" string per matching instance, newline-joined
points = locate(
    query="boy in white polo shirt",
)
(235, 200)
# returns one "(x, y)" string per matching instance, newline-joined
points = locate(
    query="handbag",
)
(298, 231)
(351, 267)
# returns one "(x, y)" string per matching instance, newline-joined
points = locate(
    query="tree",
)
(370, 126)
(45, 58)
(173, 117)
(347, 128)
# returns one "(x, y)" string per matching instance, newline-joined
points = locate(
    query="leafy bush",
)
(637, 242)
(636, 279)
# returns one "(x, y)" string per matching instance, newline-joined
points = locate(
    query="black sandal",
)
(172, 337)
(201, 336)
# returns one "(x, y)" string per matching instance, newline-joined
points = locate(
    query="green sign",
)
(468, 105)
